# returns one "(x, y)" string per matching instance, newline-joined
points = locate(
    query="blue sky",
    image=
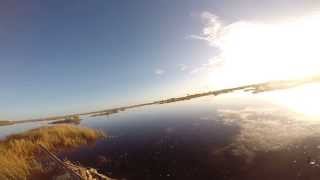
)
(62, 56)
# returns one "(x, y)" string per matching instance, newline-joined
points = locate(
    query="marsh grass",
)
(18, 152)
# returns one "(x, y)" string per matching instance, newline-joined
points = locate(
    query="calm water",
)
(204, 139)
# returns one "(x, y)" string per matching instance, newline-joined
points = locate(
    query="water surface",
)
(204, 139)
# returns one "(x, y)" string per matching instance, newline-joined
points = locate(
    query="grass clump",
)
(18, 152)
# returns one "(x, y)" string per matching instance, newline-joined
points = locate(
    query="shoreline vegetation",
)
(6, 123)
(69, 120)
(253, 88)
(20, 157)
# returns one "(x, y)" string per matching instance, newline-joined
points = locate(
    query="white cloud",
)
(252, 52)
(211, 65)
(183, 67)
(212, 29)
(197, 70)
(159, 72)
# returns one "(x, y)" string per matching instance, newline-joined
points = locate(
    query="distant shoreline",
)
(253, 88)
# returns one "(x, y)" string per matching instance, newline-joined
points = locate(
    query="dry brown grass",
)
(17, 152)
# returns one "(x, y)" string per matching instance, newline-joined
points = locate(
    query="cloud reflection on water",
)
(267, 129)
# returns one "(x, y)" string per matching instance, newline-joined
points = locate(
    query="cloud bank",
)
(258, 51)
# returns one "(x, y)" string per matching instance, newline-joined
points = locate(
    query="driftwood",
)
(61, 163)
(73, 171)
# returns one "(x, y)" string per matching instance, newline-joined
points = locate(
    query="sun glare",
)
(256, 52)
(304, 100)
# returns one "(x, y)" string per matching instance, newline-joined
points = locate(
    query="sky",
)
(59, 57)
